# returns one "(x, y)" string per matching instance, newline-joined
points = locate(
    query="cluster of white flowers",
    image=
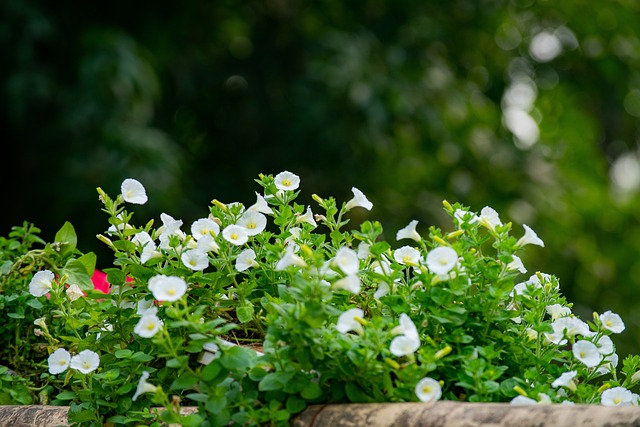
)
(60, 360)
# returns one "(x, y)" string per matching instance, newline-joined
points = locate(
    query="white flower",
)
(254, 222)
(149, 252)
(566, 380)
(149, 324)
(204, 227)
(567, 327)
(383, 289)
(245, 260)
(86, 361)
(407, 255)
(167, 288)
(210, 353)
(235, 234)
(461, 215)
(41, 283)
(208, 244)
(170, 228)
(530, 238)
(612, 322)
(363, 250)
(556, 311)
(516, 264)
(287, 181)
(347, 321)
(409, 232)
(587, 353)
(133, 192)
(347, 260)
(489, 218)
(609, 364)
(349, 283)
(144, 386)
(195, 259)
(146, 307)
(442, 259)
(404, 345)
(261, 206)
(616, 396)
(288, 259)
(307, 217)
(605, 345)
(406, 327)
(74, 292)
(523, 400)
(141, 238)
(428, 390)
(359, 200)
(41, 321)
(59, 361)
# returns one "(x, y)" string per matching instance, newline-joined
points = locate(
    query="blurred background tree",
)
(529, 106)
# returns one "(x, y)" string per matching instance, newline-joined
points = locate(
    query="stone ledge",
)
(438, 414)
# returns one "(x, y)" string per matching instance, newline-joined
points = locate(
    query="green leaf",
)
(78, 274)
(311, 391)
(67, 238)
(123, 354)
(184, 381)
(356, 394)
(295, 404)
(88, 260)
(141, 357)
(379, 248)
(245, 313)
(66, 395)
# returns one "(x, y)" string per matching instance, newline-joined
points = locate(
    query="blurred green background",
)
(531, 107)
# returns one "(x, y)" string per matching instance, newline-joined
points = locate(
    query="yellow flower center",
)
(617, 400)
(286, 182)
(151, 326)
(234, 236)
(171, 291)
(426, 389)
(251, 225)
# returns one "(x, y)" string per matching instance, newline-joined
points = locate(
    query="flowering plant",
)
(257, 311)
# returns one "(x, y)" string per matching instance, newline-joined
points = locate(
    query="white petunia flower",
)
(605, 345)
(363, 250)
(146, 307)
(195, 259)
(167, 288)
(530, 238)
(144, 386)
(347, 321)
(557, 311)
(347, 260)
(407, 255)
(288, 259)
(208, 244)
(210, 352)
(245, 260)
(442, 259)
(307, 217)
(235, 234)
(523, 400)
(566, 380)
(86, 361)
(489, 218)
(133, 192)
(612, 322)
(610, 363)
(349, 283)
(587, 353)
(41, 283)
(404, 345)
(428, 390)
(41, 321)
(359, 200)
(149, 252)
(254, 222)
(141, 238)
(261, 205)
(465, 216)
(74, 292)
(406, 327)
(149, 324)
(567, 327)
(286, 181)
(204, 227)
(59, 361)
(616, 396)
(516, 264)
(383, 289)
(409, 232)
